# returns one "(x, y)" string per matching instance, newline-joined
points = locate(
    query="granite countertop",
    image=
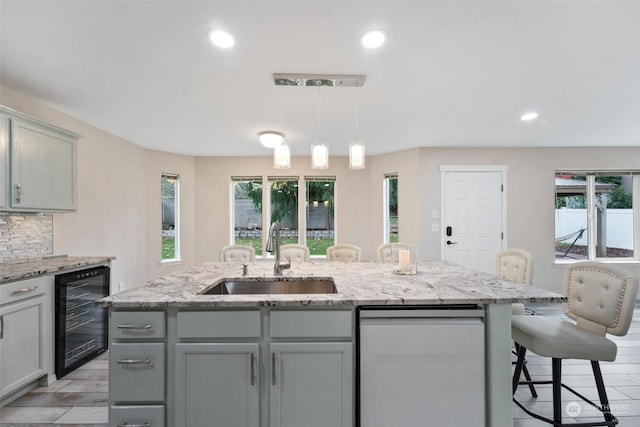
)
(47, 265)
(361, 283)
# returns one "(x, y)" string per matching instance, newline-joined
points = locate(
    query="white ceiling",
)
(453, 73)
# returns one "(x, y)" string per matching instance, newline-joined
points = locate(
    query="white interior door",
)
(473, 216)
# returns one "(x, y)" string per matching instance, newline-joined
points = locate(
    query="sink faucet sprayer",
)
(278, 266)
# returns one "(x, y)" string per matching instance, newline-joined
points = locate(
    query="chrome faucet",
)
(278, 266)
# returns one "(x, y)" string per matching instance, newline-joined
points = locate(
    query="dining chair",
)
(343, 252)
(600, 301)
(297, 253)
(388, 252)
(237, 253)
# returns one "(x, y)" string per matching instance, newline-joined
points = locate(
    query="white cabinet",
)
(311, 384)
(23, 333)
(137, 368)
(217, 385)
(38, 164)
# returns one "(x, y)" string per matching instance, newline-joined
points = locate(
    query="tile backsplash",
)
(25, 236)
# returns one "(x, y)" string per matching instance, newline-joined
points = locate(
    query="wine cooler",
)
(81, 326)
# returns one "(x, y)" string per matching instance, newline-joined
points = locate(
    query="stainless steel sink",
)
(276, 285)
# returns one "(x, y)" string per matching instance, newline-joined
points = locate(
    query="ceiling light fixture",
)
(320, 152)
(221, 38)
(373, 39)
(271, 138)
(356, 150)
(527, 117)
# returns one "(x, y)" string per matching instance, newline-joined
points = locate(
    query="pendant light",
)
(281, 151)
(320, 152)
(281, 157)
(356, 150)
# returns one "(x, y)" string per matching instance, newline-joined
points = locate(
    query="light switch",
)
(435, 215)
(435, 227)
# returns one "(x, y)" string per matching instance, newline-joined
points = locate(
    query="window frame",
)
(177, 256)
(591, 176)
(386, 218)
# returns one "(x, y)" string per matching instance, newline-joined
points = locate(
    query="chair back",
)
(389, 251)
(515, 265)
(297, 253)
(601, 297)
(237, 253)
(343, 252)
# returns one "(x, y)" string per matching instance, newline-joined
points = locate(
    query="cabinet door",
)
(217, 385)
(311, 384)
(43, 168)
(21, 352)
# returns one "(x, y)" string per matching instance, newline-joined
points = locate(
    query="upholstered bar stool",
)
(388, 252)
(295, 252)
(517, 265)
(343, 252)
(601, 299)
(237, 253)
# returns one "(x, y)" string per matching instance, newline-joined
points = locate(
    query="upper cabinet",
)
(38, 162)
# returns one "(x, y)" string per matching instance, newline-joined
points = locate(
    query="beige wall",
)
(530, 195)
(116, 207)
(119, 197)
(212, 218)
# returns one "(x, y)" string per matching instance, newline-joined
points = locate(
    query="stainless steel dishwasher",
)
(421, 367)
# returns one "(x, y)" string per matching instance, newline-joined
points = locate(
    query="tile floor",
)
(80, 399)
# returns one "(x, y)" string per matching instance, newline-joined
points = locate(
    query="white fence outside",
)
(619, 226)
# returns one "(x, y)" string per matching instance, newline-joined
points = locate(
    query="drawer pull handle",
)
(147, 326)
(146, 361)
(24, 290)
(18, 193)
(1, 327)
(253, 369)
(134, 425)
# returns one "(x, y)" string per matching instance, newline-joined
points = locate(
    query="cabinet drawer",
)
(219, 324)
(137, 324)
(23, 289)
(311, 323)
(140, 415)
(137, 372)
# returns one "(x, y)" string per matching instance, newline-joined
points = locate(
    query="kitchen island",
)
(179, 356)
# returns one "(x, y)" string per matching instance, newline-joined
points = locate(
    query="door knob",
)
(449, 242)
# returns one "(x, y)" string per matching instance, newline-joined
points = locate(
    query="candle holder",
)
(407, 262)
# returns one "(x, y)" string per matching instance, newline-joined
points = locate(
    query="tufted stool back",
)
(297, 253)
(237, 253)
(601, 297)
(515, 265)
(389, 251)
(343, 252)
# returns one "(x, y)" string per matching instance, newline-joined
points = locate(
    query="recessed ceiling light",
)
(271, 138)
(221, 38)
(373, 39)
(527, 117)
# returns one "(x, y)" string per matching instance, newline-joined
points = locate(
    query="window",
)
(390, 224)
(246, 214)
(284, 207)
(320, 216)
(595, 215)
(170, 188)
